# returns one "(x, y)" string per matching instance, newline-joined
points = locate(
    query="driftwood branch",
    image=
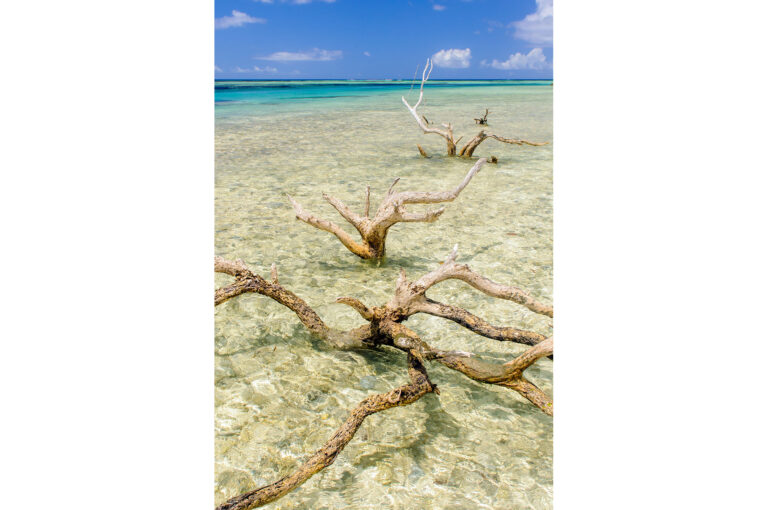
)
(384, 327)
(510, 374)
(476, 324)
(447, 133)
(418, 386)
(373, 231)
(329, 226)
(484, 119)
(412, 294)
(468, 149)
(246, 281)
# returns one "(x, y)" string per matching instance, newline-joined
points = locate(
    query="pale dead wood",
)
(447, 133)
(384, 328)
(484, 119)
(476, 324)
(246, 281)
(412, 294)
(509, 374)
(384, 323)
(230, 267)
(434, 197)
(516, 141)
(358, 249)
(418, 386)
(468, 149)
(373, 231)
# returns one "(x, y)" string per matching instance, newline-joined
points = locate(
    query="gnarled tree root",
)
(384, 328)
(419, 386)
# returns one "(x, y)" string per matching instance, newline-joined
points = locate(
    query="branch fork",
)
(384, 328)
(447, 133)
(373, 231)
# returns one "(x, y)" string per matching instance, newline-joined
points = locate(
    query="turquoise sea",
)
(258, 96)
(280, 394)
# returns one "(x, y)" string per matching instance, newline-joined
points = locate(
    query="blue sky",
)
(378, 39)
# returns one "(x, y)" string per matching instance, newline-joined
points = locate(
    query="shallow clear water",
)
(280, 393)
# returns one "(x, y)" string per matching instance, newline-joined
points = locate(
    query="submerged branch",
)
(478, 325)
(418, 386)
(510, 374)
(247, 281)
(471, 145)
(384, 328)
(515, 141)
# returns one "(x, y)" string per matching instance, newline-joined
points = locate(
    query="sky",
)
(383, 39)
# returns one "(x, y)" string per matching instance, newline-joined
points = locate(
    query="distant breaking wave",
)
(257, 85)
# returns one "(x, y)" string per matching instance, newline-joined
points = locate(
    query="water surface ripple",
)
(280, 394)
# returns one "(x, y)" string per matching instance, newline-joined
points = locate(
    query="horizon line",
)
(380, 79)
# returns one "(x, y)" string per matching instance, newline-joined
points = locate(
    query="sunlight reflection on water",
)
(280, 394)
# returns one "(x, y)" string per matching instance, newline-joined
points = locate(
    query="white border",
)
(107, 208)
(660, 255)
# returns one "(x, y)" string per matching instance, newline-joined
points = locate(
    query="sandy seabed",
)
(280, 394)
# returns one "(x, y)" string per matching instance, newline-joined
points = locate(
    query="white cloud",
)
(366, 54)
(237, 19)
(438, 7)
(256, 69)
(493, 25)
(217, 69)
(453, 58)
(535, 59)
(315, 54)
(536, 28)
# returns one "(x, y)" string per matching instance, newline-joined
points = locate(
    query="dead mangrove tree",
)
(483, 121)
(373, 231)
(447, 129)
(384, 327)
